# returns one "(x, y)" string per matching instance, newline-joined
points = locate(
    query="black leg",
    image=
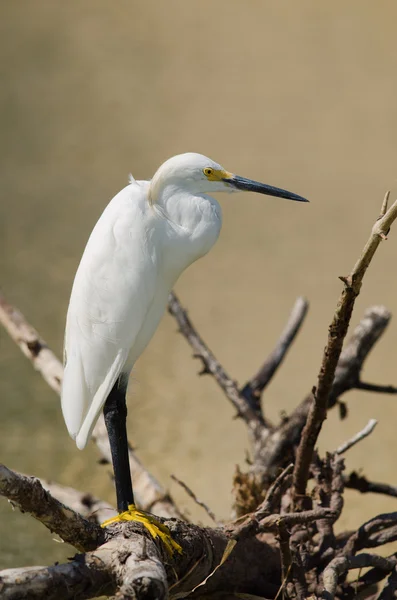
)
(115, 413)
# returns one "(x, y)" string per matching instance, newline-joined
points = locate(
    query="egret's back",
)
(112, 292)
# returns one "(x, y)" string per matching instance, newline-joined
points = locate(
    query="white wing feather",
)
(111, 296)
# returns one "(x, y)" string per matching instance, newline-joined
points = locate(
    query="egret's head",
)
(198, 174)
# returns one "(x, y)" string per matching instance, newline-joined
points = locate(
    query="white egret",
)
(146, 237)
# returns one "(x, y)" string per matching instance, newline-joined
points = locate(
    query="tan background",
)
(298, 94)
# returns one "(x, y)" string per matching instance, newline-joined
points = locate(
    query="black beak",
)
(241, 183)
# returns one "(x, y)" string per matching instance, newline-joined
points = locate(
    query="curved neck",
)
(181, 207)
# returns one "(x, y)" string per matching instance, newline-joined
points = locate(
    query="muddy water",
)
(300, 95)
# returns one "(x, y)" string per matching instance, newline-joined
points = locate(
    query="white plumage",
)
(146, 237)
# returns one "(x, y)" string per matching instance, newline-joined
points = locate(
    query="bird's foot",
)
(155, 527)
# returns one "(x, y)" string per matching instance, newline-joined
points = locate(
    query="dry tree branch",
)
(149, 493)
(380, 530)
(365, 432)
(250, 524)
(28, 495)
(340, 565)
(253, 389)
(254, 421)
(332, 352)
(133, 562)
(360, 483)
(353, 590)
(82, 502)
(378, 389)
(192, 495)
(281, 442)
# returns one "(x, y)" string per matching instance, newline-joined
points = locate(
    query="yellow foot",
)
(155, 527)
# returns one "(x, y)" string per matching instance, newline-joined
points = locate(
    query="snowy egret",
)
(147, 236)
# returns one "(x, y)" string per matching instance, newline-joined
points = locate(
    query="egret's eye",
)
(208, 171)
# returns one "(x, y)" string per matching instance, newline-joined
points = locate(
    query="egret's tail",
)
(77, 399)
(74, 395)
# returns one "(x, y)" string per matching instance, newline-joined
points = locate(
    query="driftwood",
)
(281, 542)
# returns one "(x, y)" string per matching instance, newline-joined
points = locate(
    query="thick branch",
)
(332, 352)
(29, 496)
(139, 567)
(150, 494)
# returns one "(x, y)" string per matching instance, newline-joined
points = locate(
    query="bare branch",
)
(29, 496)
(282, 442)
(363, 485)
(77, 579)
(351, 361)
(195, 499)
(254, 421)
(31, 344)
(271, 522)
(379, 389)
(338, 566)
(133, 565)
(380, 530)
(368, 429)
(254, 388)
(250, 524)
(149, 493)
(328, 492)
(83, 503)
(332, 352)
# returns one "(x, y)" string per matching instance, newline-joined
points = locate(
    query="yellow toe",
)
(155, 527)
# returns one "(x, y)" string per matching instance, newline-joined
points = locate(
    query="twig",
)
(253, 420)
(368, 429)
(341, 564)
(363, 485)
(351, 361)
(253, 389)
(271, 522)
(250, 524)
(194, 497)
(29, 496)
(379, 389)
(332, 352)
(281, 443)
(150, 494)
(380, 530)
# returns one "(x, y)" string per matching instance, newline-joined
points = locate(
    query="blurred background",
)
(300, 95)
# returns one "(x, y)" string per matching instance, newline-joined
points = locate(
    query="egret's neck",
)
(185, 209)
(192, 223)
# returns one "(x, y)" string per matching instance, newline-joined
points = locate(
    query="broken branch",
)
(332, 352)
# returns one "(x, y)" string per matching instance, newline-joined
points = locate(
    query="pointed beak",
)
(241, 183)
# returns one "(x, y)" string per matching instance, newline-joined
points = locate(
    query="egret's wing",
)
(112, 293)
